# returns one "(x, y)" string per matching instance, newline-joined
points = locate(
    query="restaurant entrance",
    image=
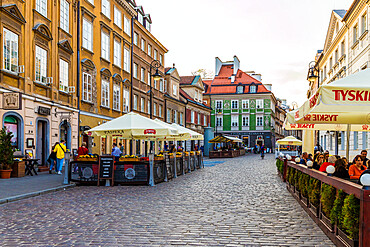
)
(42, 141)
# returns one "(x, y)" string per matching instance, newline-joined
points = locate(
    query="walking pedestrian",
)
(60, 150)
(52, 159)
(116, 152)
(121, 148)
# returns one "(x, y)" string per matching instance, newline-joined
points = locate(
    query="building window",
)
(245, 121)
(204, 120)
(127, 27)
(355, 140)
(240, 89)
(140, 18)
(168, 115)
(116, 97)
(259, 103)
(355, 34)
(161, 85)
(149, 108)
(259, 121)
(117, 17)
(63, 75)
(10, 51)
(234, 104)
(336, 55)
(135, 102)
(245, 103)
(87, 35)
(105, 8)
(218, 121)
(252, 89)
(136, 38)
(192, 117)
(149, 50)
(143, 45)
(126, 100)
(42, 7)
(142, 105)
(218, 104)
(86, 87)
(135, 70)
(363, 23)
(331, 63)
(117, 53)
(105, 93)
(12, 125)
(364, 140)
(234, 120)
(174, 90)
(64, 15)
(41, 64)
(161, 58)
(343, 48)
(155, 54)
(175, 116)
(142, 74)
(155, 109)
(160, 111)
(181, 116)
(126, 61)
(91, 1)
(105, 45)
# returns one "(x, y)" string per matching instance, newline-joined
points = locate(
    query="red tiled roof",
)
(221, 84)
(186, 96)
(167, 69)
(186, 80)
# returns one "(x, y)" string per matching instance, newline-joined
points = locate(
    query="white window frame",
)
(142, 74)
(204, 120)
(155, 55)
(117, 17)
(174, 89)
(135, 102)
(135, 68)
(42, 7)
(136, 38)
(41, 65)
(219, 121)
(168, 115)
(161, 59)
(10, 49)
(259, 121)
(86, 87)
(238, 91)
(234, 104)
(127, 26)
(116, 97)
(149, 108)
(161, 85)
(175, 116)
(149, 50)
(105, 45)
(105, 8)
(252, 89)
(259, 103)
(63, 76)
(192, 117)
(198, 117)
(117, 60)
(234, 120)
(245, 121)
(245, 103)
(143, 45)
(181, 116)
(218, 104)
(87, 34)
(126, 60)
(142, 105)
(155, 109)
(160, 111)
(105, 93)
(126, 100)
(64, 15)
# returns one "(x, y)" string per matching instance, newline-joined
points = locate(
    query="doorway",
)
(42, 141)
(65, 133)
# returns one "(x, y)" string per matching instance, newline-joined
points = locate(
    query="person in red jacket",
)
(330, 162)
(82, 150)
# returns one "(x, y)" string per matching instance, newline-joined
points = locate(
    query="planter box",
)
(297, 194)
(18, 169)
(87, 159)
(130, 159)
(342, 236)
(314, 210)
(158, 158)
(304, 200)
(326, 222)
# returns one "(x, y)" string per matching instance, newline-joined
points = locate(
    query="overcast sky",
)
(276, 38)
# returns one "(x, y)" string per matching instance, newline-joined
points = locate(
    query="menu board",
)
(106, 168)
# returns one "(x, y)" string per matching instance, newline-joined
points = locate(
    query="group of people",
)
(56, 157)
(343, 169)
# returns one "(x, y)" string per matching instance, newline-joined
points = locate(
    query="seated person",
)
(331, 162)
(318, 162)
(357, 168)
(304, 159)
(340, 169)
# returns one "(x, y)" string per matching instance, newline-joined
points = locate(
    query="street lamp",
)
(156, 77)
(313, 68)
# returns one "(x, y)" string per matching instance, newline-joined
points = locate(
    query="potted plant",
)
(6, 153)
(351, 218)
(304, 181)
(336, 215)
(314, 196)
(327, 203)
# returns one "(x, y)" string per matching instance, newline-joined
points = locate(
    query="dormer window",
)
(239, 89)
(140, 18)
(148, 26)
(253, 89)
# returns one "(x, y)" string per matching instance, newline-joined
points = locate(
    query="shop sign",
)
(130, 173)
(84, 128)
(43, 111)
(246, 133)
(12, 101)
(106, 168)
(149, 131)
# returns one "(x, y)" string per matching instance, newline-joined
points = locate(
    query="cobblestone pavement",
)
(240, 202)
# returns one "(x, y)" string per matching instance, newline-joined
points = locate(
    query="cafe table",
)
(30, 166)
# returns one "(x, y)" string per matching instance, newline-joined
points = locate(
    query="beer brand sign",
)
(12, 101)
(150, 131)
(351, 95)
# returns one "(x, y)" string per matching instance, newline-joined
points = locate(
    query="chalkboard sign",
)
(106, 168)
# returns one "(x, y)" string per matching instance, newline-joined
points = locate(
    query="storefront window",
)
(11, 125)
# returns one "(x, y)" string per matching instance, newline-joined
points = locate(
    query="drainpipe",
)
(131, 75)
(78, 72)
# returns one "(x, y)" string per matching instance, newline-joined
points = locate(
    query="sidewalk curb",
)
(34, 194)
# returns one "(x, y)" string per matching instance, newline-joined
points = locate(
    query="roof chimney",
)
(268, 86)
(218, 66)
(173, 65)
(236, 65)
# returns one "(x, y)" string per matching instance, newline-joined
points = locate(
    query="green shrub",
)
(314, 195)
(327, 198)
(351, 216)
(280, 166)
(336, 216)
(296, 179)
(291, 175)
(304, 184)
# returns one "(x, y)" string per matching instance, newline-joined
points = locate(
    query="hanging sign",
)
(12, 101)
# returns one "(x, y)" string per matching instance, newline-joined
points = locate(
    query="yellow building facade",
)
(37, 69)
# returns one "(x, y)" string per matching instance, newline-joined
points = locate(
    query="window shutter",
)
(188, 115)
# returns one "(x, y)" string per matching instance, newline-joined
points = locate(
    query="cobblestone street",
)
(240, 202)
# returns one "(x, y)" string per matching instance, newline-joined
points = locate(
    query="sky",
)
(275, 38)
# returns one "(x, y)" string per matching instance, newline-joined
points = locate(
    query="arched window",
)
(11, 124)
